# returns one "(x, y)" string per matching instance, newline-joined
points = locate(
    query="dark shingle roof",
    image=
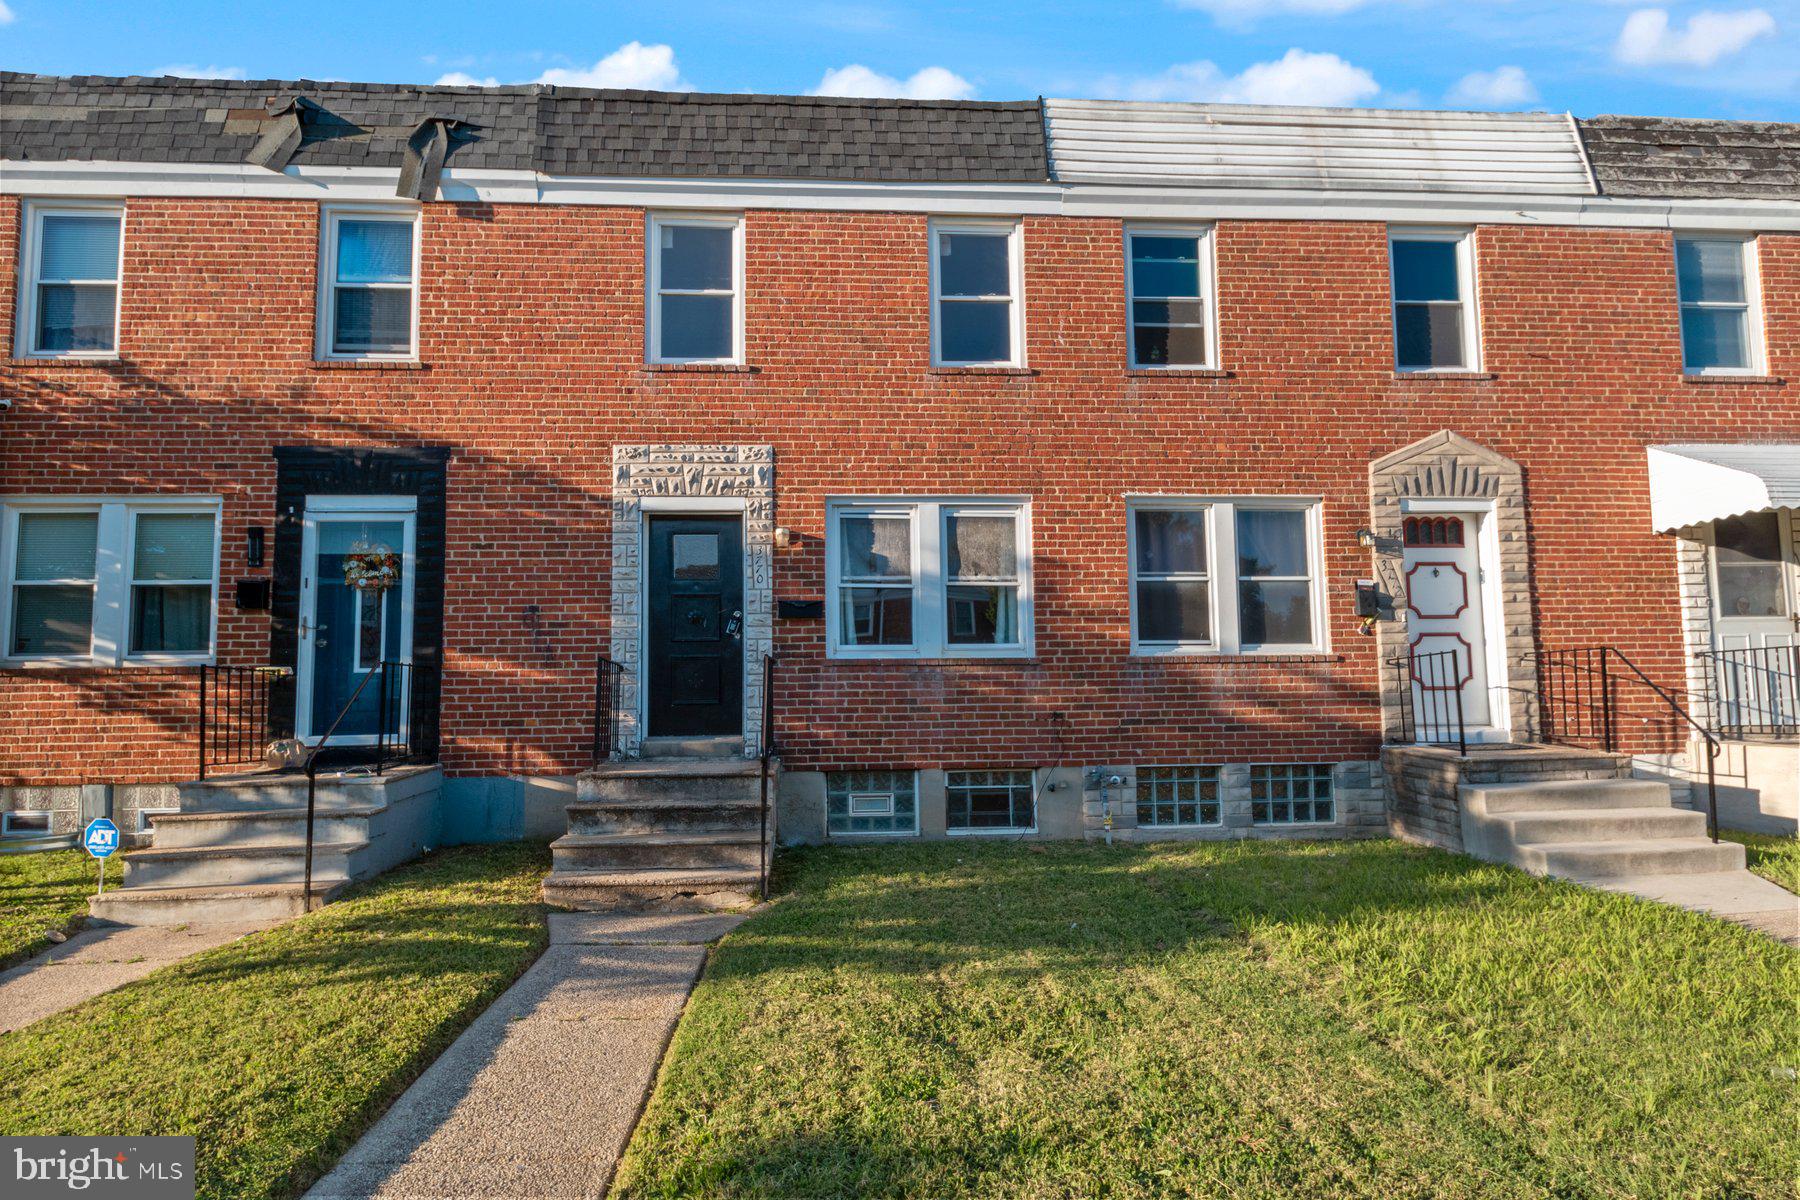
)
(558, 130)
(1659, 156)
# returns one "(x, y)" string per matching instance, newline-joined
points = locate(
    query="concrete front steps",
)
(674, 834)
(236, 851)
(1590, 830)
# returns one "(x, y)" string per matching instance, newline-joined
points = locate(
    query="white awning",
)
(1694, 483)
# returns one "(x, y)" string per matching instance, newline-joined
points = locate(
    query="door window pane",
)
(696, 555)
(1752, 577)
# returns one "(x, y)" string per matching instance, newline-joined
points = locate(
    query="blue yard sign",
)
(101, 839)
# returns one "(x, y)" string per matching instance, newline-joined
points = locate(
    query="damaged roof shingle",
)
(1667, 157)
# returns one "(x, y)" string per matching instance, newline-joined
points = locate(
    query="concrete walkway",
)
(1736, 896)
(99, 959)
(538, 1097)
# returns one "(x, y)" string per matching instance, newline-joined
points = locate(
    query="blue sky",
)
(1718, 58)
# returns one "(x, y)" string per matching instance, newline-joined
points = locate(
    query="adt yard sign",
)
(101, 840)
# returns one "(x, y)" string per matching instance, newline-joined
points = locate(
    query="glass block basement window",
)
(871, 802)
(1174, 796)
(1291, 793)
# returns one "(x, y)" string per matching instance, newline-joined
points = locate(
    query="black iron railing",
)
(237, 710)
(607, 675)
(1754, 691)
(768, 753)
(1596, 697)
(1430, 687)
(393, 701)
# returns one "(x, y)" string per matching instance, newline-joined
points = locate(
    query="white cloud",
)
(633, 65)
(1649, 39)
(190, 71)
(930, 83)
(6, 14)
(1503, 87)
(1297, 77)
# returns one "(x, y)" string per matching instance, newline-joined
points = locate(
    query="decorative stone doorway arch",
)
(1446, 467)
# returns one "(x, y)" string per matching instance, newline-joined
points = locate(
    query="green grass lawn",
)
(1774, 857)
(276, 1051)
(44, 891)
(1234, 1020)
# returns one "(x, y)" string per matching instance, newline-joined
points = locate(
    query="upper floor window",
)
(1719, 321)
(929, 579)
(976, 288)
(1169, 285)
(1433, 279)
(109, 581)
(368, 293)
(1225, 575)
(69, 295)
(695, 281)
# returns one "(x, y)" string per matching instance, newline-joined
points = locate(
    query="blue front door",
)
(349, 632)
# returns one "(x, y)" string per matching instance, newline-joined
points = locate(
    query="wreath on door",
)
(371, 567)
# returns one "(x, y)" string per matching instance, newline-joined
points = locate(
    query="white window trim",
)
(1222, 568)
(929, 581)
(876, 833)
(993, 830)
(1750, 249)
(144, 814)
(653, 284)
(7, 830)
(116, 528)
(25, 326)
(1466, 283)
(326, 303)
(1015, 257)
(1208, 295)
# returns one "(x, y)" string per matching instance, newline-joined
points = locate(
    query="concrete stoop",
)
(236, 850)
(1590, 829)
(673, 834)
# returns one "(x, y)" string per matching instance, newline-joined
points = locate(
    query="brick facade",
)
(531, 370)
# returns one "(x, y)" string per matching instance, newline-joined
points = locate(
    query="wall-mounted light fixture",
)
(1365, 537)
(253, 546)
(784, 537)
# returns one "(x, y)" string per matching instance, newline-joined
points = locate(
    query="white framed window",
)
(27, 823)
(368, 284)
(1292, 794)
(989, 802)
(108, 581)
(977, 294)
(872, 802)
(70, 266)
(1169, 296)
(1225, 575)
(938, 578)
(695, 280)
(1721, 318)
(145, 823)
(1176, 797)
(1432, 275)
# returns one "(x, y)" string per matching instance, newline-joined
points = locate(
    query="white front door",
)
(1446, 625)
(345, 634)
(1756, 618)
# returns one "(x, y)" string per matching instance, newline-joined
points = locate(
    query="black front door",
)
(695, 599)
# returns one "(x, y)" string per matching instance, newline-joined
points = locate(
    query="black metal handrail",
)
(237, 710)
(768, 752)
(386, 672)
(1430, 687)
(1582, 698)
(607, 675)
(1754, 690)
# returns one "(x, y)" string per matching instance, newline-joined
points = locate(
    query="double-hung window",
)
(977, 284)
(69, 293)
(1720, 325)
(929, 578)
(1433, 280)
(695, 280)
(104, 582)
(1226, 575)
(1168, 288)
(368, 284)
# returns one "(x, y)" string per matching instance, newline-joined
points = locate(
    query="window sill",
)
(101, 664)
(934, 660)
(1723, 377)
(701, 368)
(996, 831)
(1443, 376)
(1238, 656)
(369, 364)
(1179, 373)
(66, 360)
(1022, 371)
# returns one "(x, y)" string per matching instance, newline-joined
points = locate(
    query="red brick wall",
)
(531, 341)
